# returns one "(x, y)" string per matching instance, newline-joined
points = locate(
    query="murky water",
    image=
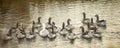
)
(60, 10)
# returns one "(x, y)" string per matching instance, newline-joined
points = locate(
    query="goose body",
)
(30, 36)
(97, 34)
(7, 38)
(71, 37)
(52, 36)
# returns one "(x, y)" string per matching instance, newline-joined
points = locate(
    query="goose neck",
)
(84, 15)
(82, 29)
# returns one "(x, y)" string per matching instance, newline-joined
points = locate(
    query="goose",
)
(63, 31)
(91, 25)
(38, 24)
(100, 23)
(37, 27)
(19, 26)
(31, 35)
(49, 24)
(56, 29)
(69, 26)
(44, 32)
(86, 34)
(21, 35)
(85, 20)
(12, 29)
(97, 34)
(71, 37)
(52, 35)
(8, 37)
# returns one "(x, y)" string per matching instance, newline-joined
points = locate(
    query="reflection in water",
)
(27, 10)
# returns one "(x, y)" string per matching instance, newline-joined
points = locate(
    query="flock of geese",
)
(50, 31)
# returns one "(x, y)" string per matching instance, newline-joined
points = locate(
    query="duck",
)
(100, 23)
(69, 26)
(52, 35)
(63, 31)
(44, 32)
(97, 34)
(86, 34)
(71, 36)
(31, 35)
(85, 20)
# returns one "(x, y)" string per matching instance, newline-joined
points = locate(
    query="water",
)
(26, 11)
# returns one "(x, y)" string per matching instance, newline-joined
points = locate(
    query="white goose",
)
(44, 32)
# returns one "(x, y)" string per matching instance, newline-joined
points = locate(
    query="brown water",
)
(60, 10)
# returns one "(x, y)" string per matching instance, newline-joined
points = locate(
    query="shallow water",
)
(26, 11)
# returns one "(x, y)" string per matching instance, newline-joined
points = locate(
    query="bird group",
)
(49, 31)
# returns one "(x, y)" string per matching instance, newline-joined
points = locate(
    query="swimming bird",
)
(100, 23)
(63, 31)
(69, 26)
(44, 32)
(97, 34)
(71, 36)
(86, 34)
(52, 35)
(31, 35)
(85, 20)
